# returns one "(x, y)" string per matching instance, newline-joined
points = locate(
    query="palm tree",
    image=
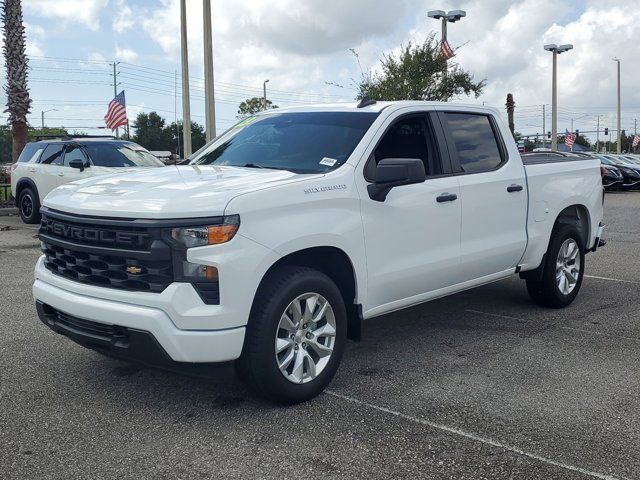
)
(18, 101)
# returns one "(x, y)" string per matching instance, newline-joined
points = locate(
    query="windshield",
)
(310, 142)
(121, 155)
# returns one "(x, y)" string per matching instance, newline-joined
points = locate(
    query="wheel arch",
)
(578, 216)
(336, 264)
(24, 183)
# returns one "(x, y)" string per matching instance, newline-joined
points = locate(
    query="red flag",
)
(569, 139)
(636, 140)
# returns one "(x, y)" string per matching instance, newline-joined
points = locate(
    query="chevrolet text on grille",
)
(93, 234)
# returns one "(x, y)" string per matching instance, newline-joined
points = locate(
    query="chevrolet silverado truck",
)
(287, 231)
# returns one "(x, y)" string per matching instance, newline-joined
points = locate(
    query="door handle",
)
(32, 169)
(446, 197)
(514, 188)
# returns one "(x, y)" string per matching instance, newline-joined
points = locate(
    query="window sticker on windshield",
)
(247, 121)
(329, 162)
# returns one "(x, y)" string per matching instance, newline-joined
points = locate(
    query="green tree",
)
(251, 106)
(198, 137)
(416, 73)
(18, 101)
(152, 132)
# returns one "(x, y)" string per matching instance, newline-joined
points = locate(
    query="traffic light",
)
(606, 131)
(549, 134)
(577, 133)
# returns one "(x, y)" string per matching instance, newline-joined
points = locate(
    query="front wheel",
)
(563, 269)
(295, 336)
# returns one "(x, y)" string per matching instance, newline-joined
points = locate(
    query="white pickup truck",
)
(294, 226)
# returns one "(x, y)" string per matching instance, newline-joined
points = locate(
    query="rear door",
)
(493, 194)
(46, 172)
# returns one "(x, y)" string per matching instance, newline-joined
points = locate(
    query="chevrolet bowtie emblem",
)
(133, 270)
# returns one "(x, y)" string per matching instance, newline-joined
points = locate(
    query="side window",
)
(475, 141)
(30, 153)
(408, 137)
(52, 155)
(73, 152)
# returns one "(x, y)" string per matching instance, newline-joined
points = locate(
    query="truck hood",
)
(171, 192)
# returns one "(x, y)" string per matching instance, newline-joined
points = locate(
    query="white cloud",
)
(126, 54)
(35, 36)
(123, 19)
(84, 12)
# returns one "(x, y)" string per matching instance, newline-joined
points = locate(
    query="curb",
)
(5, 212)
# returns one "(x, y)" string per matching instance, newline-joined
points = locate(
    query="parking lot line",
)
(476, 438)
(611, 279)
(592, 332)
(495, 315)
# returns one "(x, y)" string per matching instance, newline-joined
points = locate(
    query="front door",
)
(70, 174)
(412, 238)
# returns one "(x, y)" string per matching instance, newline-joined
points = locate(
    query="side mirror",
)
(79, 164)
(395, 172)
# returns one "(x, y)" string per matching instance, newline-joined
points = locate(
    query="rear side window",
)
(52, 155)
(30, 152)
(475, 141)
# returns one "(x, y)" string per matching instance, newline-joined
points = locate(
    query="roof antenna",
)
(366, 101)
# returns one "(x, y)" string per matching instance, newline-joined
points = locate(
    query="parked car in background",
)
(47, 164)
(630, 172)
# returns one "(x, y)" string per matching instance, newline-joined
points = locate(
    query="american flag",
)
(636, 141)
(117, 112)
(445, 50)
(569, 139)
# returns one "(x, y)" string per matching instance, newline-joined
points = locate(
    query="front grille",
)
(106, 253)
(115, 271)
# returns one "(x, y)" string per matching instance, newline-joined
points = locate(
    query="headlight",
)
(189, 237)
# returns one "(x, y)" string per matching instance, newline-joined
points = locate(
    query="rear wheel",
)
(29, 206)
(563, 269)
(295, 337)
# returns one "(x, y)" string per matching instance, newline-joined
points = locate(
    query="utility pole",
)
(619, 141)
(115, 89)
(556, 50)
(209, 92)
(45, 111)
(598, 136)
(186, 109)
(175, 109)
(264, 94)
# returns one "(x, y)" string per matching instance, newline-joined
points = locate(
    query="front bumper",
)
(145, 326)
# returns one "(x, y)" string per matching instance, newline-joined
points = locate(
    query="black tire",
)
(547, 292)
(257, 366)
(29, 206)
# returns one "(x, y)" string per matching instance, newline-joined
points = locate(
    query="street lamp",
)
(264, 90)
(556, 50)
(45, 111)
(451, 16)
(619, 141)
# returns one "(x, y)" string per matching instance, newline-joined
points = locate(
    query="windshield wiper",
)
(255, 165)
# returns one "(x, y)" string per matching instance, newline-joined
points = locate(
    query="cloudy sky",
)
(300, 46)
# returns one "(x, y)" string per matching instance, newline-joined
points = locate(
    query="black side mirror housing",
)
(395, 172)
(79, 164)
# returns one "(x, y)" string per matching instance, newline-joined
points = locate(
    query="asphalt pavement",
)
(483, 384)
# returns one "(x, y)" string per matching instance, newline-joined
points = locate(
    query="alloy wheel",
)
(305, 338)
(568, 266)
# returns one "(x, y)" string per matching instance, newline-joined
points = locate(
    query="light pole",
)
(45, 111)
(186, 107)
(264, 94)
(619, 141)
(556, 50)
(450, 16)
(209, 89)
